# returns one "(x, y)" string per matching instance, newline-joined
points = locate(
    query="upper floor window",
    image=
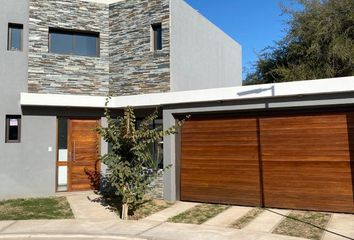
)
(156, 36)
(13, 129)
(74, 43)
(15, 36)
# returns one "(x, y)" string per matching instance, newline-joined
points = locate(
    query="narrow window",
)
(156, 36)
(15, 35)
(62, 159)
(72, 42)
(13, 129)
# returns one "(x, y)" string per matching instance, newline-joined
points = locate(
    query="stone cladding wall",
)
(66, 74)
(134, 67)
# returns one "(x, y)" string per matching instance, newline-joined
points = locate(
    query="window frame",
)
(7, 128)
(155, 28)
(73, 33)
(9, 36)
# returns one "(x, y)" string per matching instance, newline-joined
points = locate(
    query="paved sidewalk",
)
(343, 224)
(94, 221)
(174, 210)
(267, 220)
(109, 229)
(87, 205)
(228, 217)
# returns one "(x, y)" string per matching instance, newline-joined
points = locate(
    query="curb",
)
(61, 236)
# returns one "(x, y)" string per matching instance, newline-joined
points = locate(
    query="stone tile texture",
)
(126, 65)
(56, 73)
(134, 67)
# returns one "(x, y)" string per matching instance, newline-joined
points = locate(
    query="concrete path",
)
(109, 229)
(228, 217)
(267, 220)
(342, 225)
(86, 205)
(174, 210)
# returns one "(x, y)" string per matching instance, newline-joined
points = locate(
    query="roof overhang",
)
(298, 88)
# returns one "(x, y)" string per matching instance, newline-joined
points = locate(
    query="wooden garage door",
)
(219, 161)
(304, 161)
(307, 161)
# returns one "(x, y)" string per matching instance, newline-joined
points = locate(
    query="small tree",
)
(131, 167)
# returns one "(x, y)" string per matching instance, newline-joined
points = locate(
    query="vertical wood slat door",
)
(83, 145)
(219, 161)
(307, 162)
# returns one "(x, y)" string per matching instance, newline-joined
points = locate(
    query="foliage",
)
(319, 44)
(131, 166)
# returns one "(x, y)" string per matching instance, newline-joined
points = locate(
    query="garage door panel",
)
(299, 157)
(308, 121)
(230, 178)
(222, 195)
(219, 161)
(214, 123)
(321, 204)
(306, 162)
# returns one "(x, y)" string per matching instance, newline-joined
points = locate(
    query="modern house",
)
(284, 145)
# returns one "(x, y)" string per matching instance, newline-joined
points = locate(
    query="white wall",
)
(202, 56)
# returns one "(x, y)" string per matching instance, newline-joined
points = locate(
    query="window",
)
(74, 43)
(156, 36)
(15, 35)
(13, 129)
(62, 155)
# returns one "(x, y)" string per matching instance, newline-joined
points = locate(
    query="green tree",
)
(319, 44)
(131, 167)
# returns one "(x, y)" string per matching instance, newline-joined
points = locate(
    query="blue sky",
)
(255, 24)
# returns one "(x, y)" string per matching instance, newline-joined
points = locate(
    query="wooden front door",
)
(83, 150)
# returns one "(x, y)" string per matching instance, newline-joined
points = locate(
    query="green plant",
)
(130, 162)
(319, 43)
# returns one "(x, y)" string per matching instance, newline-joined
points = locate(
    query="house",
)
(285, 145)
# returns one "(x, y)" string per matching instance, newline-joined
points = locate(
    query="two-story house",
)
(285, 145)
(93, 48)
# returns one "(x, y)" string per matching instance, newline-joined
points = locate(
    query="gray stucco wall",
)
(202, 56)
(134, 67)
(56, 73)
(27, 168)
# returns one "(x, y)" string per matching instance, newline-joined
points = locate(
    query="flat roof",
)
(297, 88)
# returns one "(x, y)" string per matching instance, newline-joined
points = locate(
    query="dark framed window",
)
(13, 129)
(15, 37)
(72, 42)
(156, 36)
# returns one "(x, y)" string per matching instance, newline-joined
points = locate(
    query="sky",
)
(255, 24)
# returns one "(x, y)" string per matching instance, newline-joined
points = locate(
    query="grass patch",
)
(247, 218)
(302, 224)
(35, 208)
(148, 208)
(199, 214)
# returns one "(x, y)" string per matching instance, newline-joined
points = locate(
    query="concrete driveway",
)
(93, 221)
